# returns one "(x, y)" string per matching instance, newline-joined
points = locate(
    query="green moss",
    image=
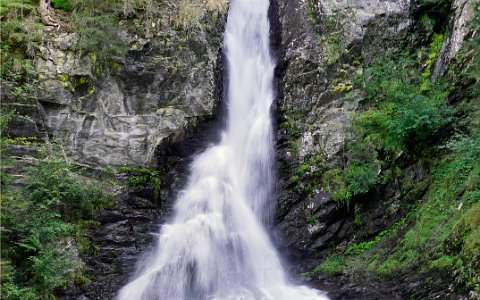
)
(342, 87)
(23, 140)
(334, 48)
(331, 266)
(443, 262)
(64, 78)
(432, 55)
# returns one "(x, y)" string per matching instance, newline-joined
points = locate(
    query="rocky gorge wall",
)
(152, 106)
(321, 47)
(118, 112)
(324, 44)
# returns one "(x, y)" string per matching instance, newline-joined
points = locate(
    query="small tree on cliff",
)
(45, 8)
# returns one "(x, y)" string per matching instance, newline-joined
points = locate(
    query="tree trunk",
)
(45, 10)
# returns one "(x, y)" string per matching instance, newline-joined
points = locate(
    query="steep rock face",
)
(462, 12)
(323, 44)
(157, 105)
(119, 111)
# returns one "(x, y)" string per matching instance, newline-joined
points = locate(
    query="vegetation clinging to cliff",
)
(402, 116)
(440, 235)
(45, 227)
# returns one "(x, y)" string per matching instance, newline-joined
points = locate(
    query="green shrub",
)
(12, 291)
(403, 112)
(445, 232)
(62, 4)
(40, 225)
(141, 176)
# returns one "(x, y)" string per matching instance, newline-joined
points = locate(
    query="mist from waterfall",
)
(216, 246)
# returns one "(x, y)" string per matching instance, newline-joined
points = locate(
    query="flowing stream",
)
(216, 246)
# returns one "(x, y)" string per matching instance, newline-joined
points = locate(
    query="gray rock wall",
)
(119, 111)
(157, 105)
(323, 45)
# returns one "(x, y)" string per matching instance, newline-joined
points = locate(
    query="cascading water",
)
(216, 246)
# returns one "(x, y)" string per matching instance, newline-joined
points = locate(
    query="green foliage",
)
(97, 26)
(141, 176)
(307, 176)
(40, 226)
(20, 35)
(433, 52)
(332, 35)
(17, 6)
(62, 4)
(406, 110)
(356, 248)
(12, 291)
(403, 111)
(311, 219)
(331, 265)
(334, 180)
(445, 232)
(360, 174)
(74, 197)
(311, 12)
(5, 120)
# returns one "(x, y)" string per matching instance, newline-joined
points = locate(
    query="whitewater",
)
(216, 246)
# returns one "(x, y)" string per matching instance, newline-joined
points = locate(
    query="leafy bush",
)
(360, 174)
(445, 234)
(402, 113)
(141, 176)
(62, 4)
(406, 108)
(40, 226)
(20, 35)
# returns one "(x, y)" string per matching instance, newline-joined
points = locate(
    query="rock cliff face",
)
(156, 106)
(321, 45)
(118, 112)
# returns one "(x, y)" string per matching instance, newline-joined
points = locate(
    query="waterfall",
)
(216, 246)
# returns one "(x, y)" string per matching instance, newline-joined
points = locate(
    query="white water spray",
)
(216, 246)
